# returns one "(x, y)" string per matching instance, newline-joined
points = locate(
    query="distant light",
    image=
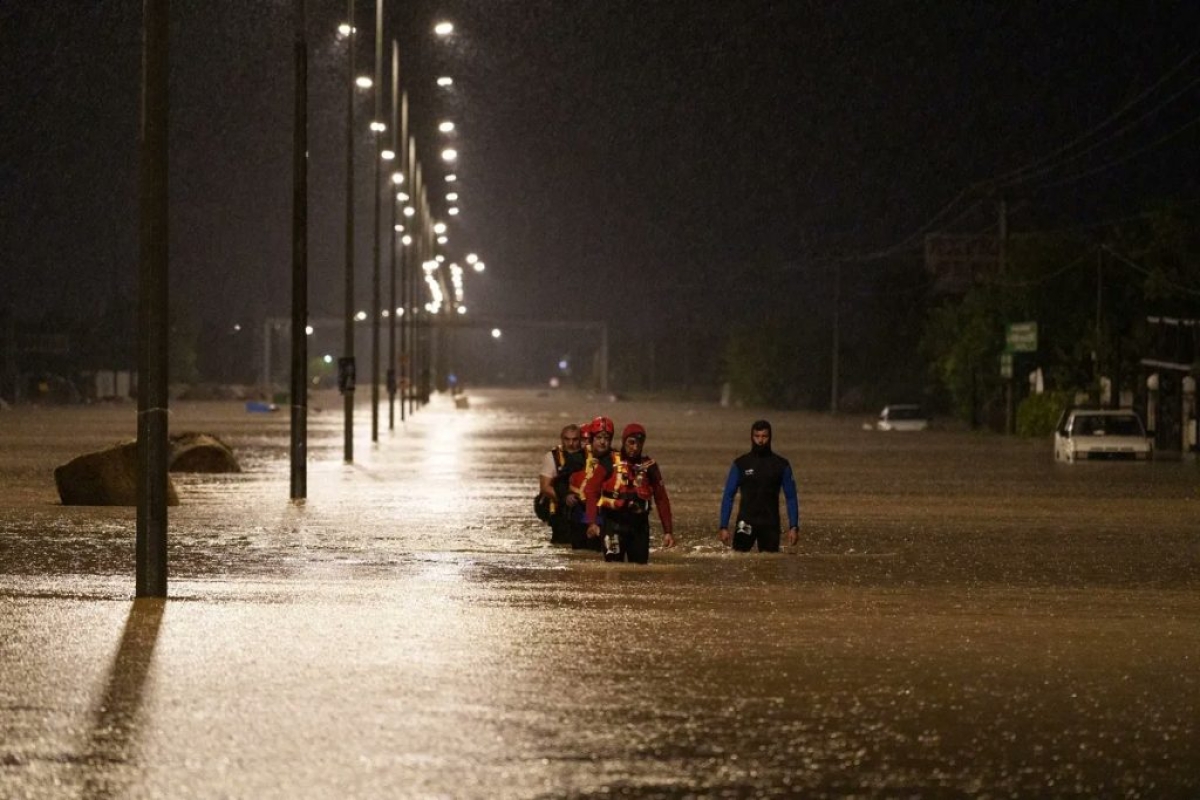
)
(439, 258)
(472, 258)
(563, 364)
(308, 330)
(402, 196)
(387, 155)
(439, 227)
(399, 228)
(328, 359)
(443, 239)
(409, 211)
(495, 333)
(462, 309)
(344, 29)
(378, 126)
(363, 82)
(452, 196)
(446, 127)
(384, 313)
(237, 328)
(406, 240)
(445, 81)
(360, 316)
(451, 178)
(479, 266)
(398, 178)
(444, 28)
(449, 155)
(399, 311)
(452, 211)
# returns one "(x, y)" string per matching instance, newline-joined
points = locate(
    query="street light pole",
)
(397, 169)
(346, 366)
(153, 449)
(299, 449)
(375, 266)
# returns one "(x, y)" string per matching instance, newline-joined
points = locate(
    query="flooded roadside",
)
(961, 616)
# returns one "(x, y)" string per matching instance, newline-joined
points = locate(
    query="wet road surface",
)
(961, 617)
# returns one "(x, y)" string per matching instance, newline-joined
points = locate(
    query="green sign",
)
(1021, 337)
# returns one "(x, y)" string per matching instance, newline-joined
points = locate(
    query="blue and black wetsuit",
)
(759, 476)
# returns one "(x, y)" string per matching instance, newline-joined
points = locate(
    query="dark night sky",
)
(658, 152)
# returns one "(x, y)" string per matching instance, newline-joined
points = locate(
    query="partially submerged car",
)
(902, 417)
(1094, 434)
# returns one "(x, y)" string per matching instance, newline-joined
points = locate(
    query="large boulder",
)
(201, 452)
(104, 478)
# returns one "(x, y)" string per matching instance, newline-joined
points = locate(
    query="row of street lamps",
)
(415, 238)
(421, 241)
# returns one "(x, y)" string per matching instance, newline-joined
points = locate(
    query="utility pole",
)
(376, 302)
(153, 321)
(837, 302)
(346, 375)
(299, 392)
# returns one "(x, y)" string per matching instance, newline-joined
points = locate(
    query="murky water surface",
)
(962, 616)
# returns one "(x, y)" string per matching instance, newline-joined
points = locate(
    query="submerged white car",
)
(1087, 434)
(902, 418)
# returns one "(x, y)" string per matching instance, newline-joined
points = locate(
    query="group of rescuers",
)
(599, 498)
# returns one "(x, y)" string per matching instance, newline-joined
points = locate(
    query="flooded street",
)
(961, 616)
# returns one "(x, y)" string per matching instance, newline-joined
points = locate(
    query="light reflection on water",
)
(962, 616)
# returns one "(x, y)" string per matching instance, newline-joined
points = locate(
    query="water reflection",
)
(112, 742)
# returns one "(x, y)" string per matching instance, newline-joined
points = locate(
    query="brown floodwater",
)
(962, 616)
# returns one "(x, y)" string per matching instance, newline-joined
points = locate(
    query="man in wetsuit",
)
(758, 476)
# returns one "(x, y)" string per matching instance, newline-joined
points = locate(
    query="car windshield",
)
(1108, 425)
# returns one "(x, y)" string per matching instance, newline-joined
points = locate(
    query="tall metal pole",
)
(376, 302)
(392, 239)
(418, 274)
(153, 321)
(299, 449)
(346, 367)
(837, 324)
(406, 263)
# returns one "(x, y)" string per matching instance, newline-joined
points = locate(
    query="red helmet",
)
(602, 425)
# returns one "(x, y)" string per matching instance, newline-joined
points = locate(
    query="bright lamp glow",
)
(451, 178)
(449, 155)
(439, 227)
(363, 82)
(446, 127)
(495, 333)
(444, 28)
(398, 178)
(445, 81)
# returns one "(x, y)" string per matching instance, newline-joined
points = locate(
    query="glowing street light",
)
(363, 82)
(472, 258)
(397, 178)
(452, 197)
(451, 178)
(495, 333)
(449, 155)
(445, 82)
(479, 266)
(439, 227)
(345, 29)
(452, 211)
(444, 28)
(378, 126)
(446, 127)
